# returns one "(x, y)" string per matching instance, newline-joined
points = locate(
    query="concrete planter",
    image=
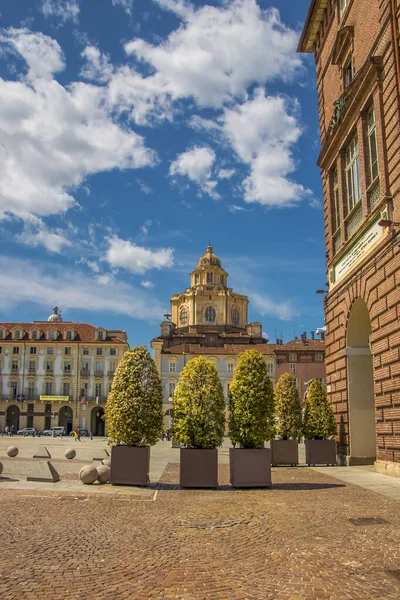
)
(199, 468)
(285, 452)
(320, 452)
(250, 467)
(130, 465)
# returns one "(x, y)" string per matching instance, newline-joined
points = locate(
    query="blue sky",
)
(132, 132)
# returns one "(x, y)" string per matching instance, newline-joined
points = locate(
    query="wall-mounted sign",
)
(357, 251)
(54, 398)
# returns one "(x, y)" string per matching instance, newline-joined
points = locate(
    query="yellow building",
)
(211, 320)
(55, 373)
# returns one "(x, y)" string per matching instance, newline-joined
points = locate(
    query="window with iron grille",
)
(353, 182)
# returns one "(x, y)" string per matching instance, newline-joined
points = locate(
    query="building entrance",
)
(12, 417)
(97, 423)
(65, 418)
(360, 385)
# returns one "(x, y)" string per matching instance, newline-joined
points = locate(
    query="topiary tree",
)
(251, 402)
(134, 408)
(199, 406)
(318, 421)
(287, 408)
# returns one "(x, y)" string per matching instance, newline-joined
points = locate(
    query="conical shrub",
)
(288, 415)
(319, 421)
(251, 402)
(134, 408)
(199, 406)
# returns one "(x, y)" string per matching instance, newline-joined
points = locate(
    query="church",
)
(211, 320)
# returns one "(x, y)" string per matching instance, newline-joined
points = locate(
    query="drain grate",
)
(394, 573)
(368, 521)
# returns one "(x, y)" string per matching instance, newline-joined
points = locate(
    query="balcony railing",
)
(99, 373)
(102, 399)
(111, 373)
(14, 370)
(67, 371)
(32, 370)
(49, 371)
(85, 372)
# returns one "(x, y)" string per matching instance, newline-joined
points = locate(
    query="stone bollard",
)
(88, 474)
(12, 451)
(104, 473)
(70, 453)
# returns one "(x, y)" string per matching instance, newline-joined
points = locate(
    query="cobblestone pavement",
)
(293, 542)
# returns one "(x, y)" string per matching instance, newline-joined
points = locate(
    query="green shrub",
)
(287, 408)
(319, 421)
(199, 406)
(134, 409)
(251, 402)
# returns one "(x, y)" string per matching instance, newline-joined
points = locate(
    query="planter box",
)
(250, 467)
(130, 465)
(285, 452)
(320, 452)
(199, 468)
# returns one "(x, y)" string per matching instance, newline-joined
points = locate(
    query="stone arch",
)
(12, 416)
(97, 424)
(65, 418)
(360, 385)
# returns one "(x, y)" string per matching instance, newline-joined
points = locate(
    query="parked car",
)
(27, 431)
(56, 431)
(82, 433)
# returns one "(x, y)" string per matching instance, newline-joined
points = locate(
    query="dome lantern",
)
(55, 317)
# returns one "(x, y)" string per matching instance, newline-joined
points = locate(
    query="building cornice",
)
(313, 20)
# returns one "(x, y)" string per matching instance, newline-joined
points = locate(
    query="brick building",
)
(57, 373)
(303, 358)
(356, 48)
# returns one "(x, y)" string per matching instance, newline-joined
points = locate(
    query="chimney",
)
(303, 336)
(313, 335)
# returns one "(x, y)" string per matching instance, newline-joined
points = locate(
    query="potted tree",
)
(134, 417)
(288, 422)
(251, 422)
(198, 422)
(319, 424)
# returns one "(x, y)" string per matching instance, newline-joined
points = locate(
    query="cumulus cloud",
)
(226, 173)
(136, 259)
(76, 288)
(36, 233)
(97, 66)
(196, 164)
(52, 137)
(262, 132)
(64, 10)
(147, 284)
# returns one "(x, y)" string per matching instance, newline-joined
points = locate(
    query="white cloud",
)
(124, 254)
(64, 10)
(127, 5)
(196, 164)
(216, 53)
(76, 288)
(92, 264)
(147, 284)
(226, 173)
(265, 306)
(234, 208)
(52, 137)
(146, 226)
(146, 189)
(36, 233)
(97, 66)
(262, 132)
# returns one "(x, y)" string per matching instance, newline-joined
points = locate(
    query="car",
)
(27, 431)
(82, 433)
(55, 431)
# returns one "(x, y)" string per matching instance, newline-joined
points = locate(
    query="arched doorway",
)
(12, 416)
(97, 422)
(360, 385)
(65, 418)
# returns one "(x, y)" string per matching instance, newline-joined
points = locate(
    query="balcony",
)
(67, 371)
(85, 372)
(49, 371)
(32, 371)
(102, 399)
(111, 373)
(14, 370)
(99, 373)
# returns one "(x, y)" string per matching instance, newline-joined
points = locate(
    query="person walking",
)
(6, 430)
(75, 435)
(78, 434)
(91, 436)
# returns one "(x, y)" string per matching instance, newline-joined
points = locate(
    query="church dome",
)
(56, 316)
(209, 258)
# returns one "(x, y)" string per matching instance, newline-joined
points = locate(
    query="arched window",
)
(235, 317)
(100, 335)
(52, 334)
(34, 334)
(210, 315)
(69, 335)
(184, 316)
(17, 334)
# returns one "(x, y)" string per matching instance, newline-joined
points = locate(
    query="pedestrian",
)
(78, 434)
(75, 435)
(91, 436)
(6, 430)
(12, 430)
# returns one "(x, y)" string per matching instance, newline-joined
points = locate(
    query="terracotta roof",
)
(301, 346)
(83, 332)
(213, 350)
